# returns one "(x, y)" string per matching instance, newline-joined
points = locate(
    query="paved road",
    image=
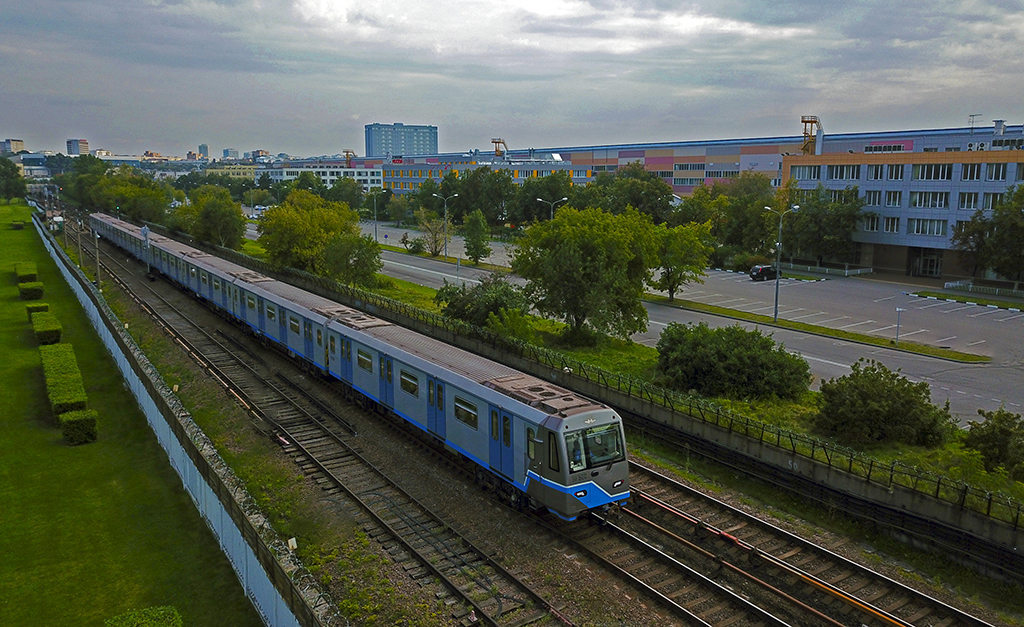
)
(863, 305)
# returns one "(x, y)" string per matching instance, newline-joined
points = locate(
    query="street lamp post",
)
(553, 203)
(899, 310)
(98, 262)
(778, 256)
(445, 222)
(375, 217)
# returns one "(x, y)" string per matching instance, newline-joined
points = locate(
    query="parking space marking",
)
(760, 308)
(832, 320)
(706, 296)
(882, 300)
(914, 332)
(958, 309)
(938, 304)
(982, 313)
(1010, 318)
(891, 326)
(946, 339)
(731, 300)
(820, 313)
(857, 324)
(976, 343)
(750, 304)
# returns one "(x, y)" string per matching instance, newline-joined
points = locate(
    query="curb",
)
(953, 300)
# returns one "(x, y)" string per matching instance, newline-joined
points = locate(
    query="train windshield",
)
(589, 448)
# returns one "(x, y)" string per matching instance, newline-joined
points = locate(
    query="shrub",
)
(30, 291)
(475, 304)
(32, 308)
(78, 427)
(26, 271)
(64, 384)
(1000, 440)
(731, 362)
(166, 616)
(47, 327)
(875, 404)
(17, 225)
(511, 323)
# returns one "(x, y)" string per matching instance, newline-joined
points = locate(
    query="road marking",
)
(931, 305)
(880, 300)
(946, 339)
(832, 320)
(442, 274)
(707, 296)
(760, 308)
(982, 313)
(914, 332)
(891, 326)
(856, 324)
(731, 300)
(975, 343)
(820, 313)
(958, 309)
(664, 324)
(1010, 318)
(750, 304)
(825, 361)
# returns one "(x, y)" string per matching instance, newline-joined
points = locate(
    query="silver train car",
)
(540, 446)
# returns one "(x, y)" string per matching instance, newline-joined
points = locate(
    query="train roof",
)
(527, 389)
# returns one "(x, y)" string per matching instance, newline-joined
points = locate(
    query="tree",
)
(12, 183)
(683, 256)
(823, 226)
(744, 224)
(353, 259)
(346, 190)
(524, 207)
(873, 404)
(399, 208)
(999, 439)
(631, 185)
(1006, 253)
(307, 181)
(78, 184)
(219, 219)
(295, 232)
(971, 240)
(126, 192)
(493, 295)
(701, 207)
(477, 236)
(435, 233)
(589, 268)
(731, 362)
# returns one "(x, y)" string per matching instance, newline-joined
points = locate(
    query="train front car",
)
(586, 467)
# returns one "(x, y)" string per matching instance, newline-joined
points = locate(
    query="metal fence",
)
(283, 592)
(969, 286)
(847, 271)
(996, 505)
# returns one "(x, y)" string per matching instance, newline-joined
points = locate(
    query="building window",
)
(687, 181)
(968, 200)
(873, 198)
(892, 225)
(691, 166)
(876, 172)
(409, 383)
(871, 224)
(931, 200)
(995, 172)
(465, 412)
(841, 195)
(896, 172)
(843, 172)
(804, 172)
(893, 199)
(991, 200)
(932, 172)
(364, 360)
(970, 172)
(917, 226)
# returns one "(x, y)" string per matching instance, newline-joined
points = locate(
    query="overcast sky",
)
(305, 76)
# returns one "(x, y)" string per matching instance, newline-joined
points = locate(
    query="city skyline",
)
(305, 77)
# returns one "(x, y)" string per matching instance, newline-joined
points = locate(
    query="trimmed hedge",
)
(166, 616)
(26, 271)
(78, 427)
(47, 327)
(32, 308)
(31, 291)
(17, 225)
(63, 378)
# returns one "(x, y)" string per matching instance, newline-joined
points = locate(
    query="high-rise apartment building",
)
(78, 147)
(12, 145)
(400, 139)
(230, 153)
(204, 151)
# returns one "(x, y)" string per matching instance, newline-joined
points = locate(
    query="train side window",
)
(364, 360)
(319, 337)
(553, 462)
(216, 285)
(294, 324)
(192, 272)
(531, 446)
(332, 345)
(205, 279)
(410, 383)
(494, 425)
(348, 350)
(249, 300)
(440, 398)
(271, 313)
(389, 372)
(430, 393)
(506, 431)
(465, 412)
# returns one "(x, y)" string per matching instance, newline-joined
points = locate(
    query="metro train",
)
(539, 445)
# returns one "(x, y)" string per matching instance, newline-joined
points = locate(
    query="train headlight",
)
(580, 494)
(617, 483)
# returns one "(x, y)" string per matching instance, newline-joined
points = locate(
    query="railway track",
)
(474, 588)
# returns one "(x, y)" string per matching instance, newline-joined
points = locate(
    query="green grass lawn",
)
(89, 532)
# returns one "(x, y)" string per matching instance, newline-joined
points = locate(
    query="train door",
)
(260, 319)
(387, 387)
(307, 340)
(501, 459)
(435, 407)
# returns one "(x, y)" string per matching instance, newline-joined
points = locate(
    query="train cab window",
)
(596, 446)
(465, 412)
(410, 383)
(251, 302)
(293, 323)
(574, 447)
(271, 313)
(494, 424)
(319, 337)
(192, 272)
(204, 278)
(553, 462)
(364, 360)
(430, 393)
(332, 344)
(531, 446)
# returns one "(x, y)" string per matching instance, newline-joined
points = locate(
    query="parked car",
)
(760, 273)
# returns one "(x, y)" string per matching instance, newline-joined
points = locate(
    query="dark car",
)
(760, 273)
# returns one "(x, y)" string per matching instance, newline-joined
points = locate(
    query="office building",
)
(12, 146)
(400, 140)
(77, 147)
(204, 151)
(329, 171)
(230, 153)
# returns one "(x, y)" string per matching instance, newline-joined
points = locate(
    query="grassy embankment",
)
(89, 532)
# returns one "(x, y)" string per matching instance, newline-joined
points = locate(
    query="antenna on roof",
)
(970, 121)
